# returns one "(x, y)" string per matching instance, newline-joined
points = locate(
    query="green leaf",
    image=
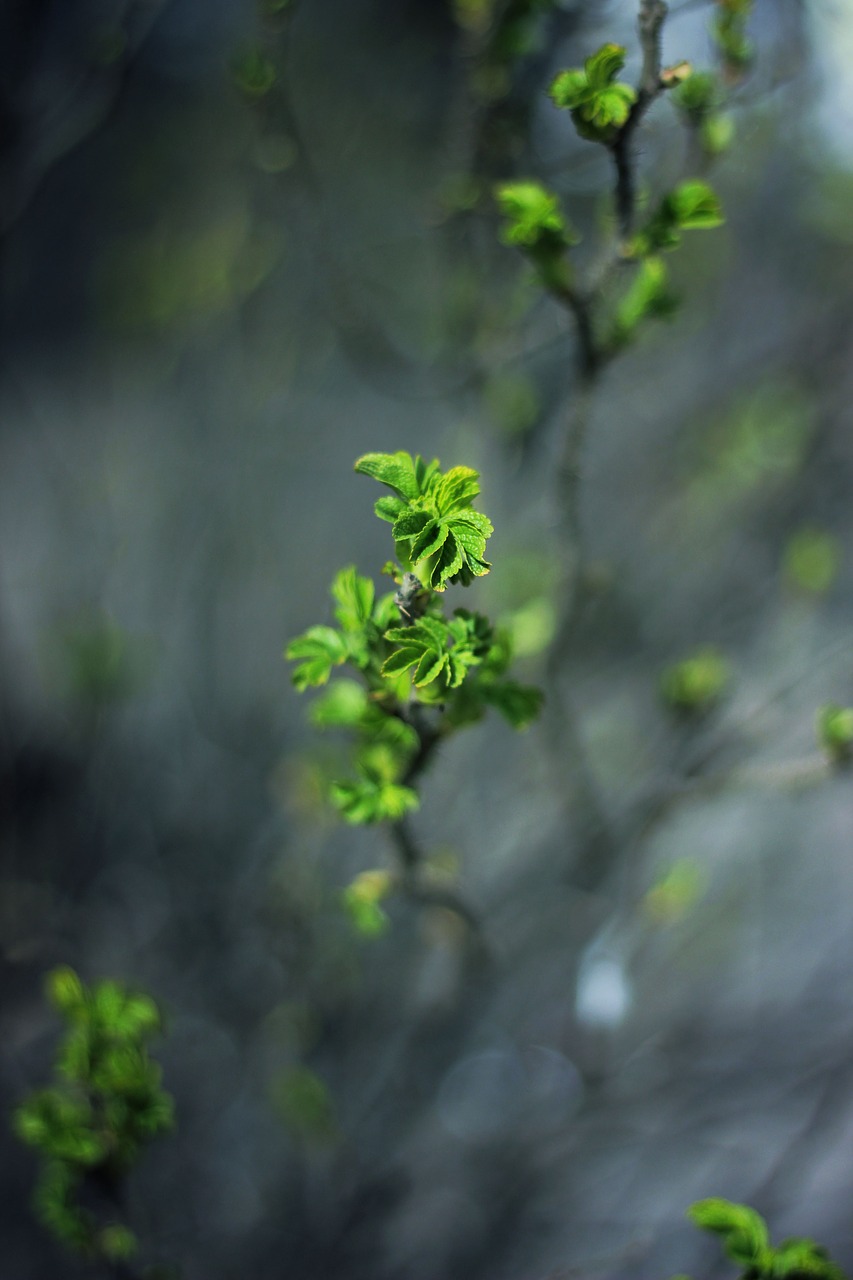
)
(834, 728)
(397, 470)
(254, 73)
(691, 206)
(519, 704)
(65, 991)
(389, 509)
(140, 1016)
(697, 683)
(305, 1105)
(446, 562)
(694, 206)
(534, 221)
(401, 659)
(343, 705)
(700, 94)
(430, 540)
(600, 106)
(743, 1231)
(362, 901)
(108, 1003)
(369, 919)
(117, 1242)
(803, 1257)
(368, 801)
(317, 650)
(602, 66)
(648, 297)
(456, 490)
(354, 595)
(812, 560)
(429, 668)
(610, 107)
(423, 645)
(51, 1200)
(410, 525)
(716, 133)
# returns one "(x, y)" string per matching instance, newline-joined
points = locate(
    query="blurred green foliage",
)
(811, 560)
(745, 1240)
(694, 685)
(762, 440)
(97, 663)
(304, 1104)
(175, 279)
(834, 727)
(363, 902)
(90, 1126)
(676, 892)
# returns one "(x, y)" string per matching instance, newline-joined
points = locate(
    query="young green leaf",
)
(694, 206)
(354, 595)
(803, 1257)
(697, 683)
(698, 96)
(602, 66)
(519, 704)
(742, 1230)
(648, 297)
(65, 991)
(834, 728)
(534, 221)
(690, 206)
(362, 900)
(369, 801)
(317, 650)
(600, 106)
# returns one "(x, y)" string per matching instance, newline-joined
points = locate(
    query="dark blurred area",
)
(214, 296)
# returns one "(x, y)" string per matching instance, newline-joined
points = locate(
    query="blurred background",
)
(239, 247)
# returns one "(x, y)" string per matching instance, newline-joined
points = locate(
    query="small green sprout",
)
(691, 206)
(834, 730)
(363, 902)
(599, 104)
(696, 684)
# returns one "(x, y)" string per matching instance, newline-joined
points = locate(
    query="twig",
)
(651, 20)
(410, 854)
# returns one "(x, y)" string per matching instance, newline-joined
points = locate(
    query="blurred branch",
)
(652, 16)
(410, 854)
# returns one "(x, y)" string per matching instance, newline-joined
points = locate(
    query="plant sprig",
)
(417, 672)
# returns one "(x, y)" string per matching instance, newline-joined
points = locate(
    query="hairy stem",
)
(410, 854)
(652, 16)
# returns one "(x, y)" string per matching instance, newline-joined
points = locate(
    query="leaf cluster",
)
(437, 534)
(745, 1240)
(599, 104)
(106, 1102)
(421, 673)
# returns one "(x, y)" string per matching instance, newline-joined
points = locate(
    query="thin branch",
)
(410, 854)
(652, 16)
